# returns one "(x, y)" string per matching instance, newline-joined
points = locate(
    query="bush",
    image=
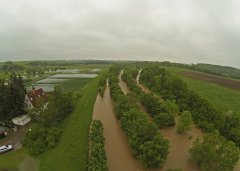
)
(39, 139)
(97, 156)
(164, 120)
(143, 136)
(215, 153)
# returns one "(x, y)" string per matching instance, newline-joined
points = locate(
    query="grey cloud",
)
(182, 31)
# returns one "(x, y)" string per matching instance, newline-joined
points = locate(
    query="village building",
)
(31, 100)
(32, 97)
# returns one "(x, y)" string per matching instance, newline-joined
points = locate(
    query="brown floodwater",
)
(178, 156)
(119, 157)
(122, 84)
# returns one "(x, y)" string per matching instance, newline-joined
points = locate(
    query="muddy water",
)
(122, 84)
(116, 144)
(178, 156)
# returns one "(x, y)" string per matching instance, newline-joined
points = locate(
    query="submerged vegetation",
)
(97, 156)
(146, 142)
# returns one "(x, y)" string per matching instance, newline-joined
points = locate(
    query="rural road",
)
(16, 139)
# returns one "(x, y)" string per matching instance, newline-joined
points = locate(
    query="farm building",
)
(33, 96)
(21, 120)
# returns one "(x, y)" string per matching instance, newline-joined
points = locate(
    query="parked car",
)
(5, 148)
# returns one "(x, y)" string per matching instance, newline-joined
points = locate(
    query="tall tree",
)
(215, 153)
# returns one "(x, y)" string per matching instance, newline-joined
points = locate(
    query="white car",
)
(5, 148)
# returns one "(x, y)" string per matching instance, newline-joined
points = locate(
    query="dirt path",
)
(116, 145)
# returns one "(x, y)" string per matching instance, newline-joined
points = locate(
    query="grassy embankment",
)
(221, 98)
(71, 153)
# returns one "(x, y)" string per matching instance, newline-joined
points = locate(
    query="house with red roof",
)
(33, 96)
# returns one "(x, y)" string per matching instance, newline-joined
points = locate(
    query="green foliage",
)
(185, 122)
(155, 106)
(71, 152)
(12, 97)
(171, 106)
(97, 158)
(40, 139)
(102, 85)
(164, 120)
(46, 131)
(143, 136)
(215, 153)
(203, 113)
(175, 169)
(154, 152)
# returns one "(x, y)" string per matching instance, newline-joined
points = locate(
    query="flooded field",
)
(68, 76)
(49, 83)
(180, 144)
(116, 145)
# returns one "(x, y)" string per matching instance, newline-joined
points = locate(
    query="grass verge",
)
(221, 98)
(71, 153)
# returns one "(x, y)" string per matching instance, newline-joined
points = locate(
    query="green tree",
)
(185, 122)
(154, 152)
(215, 153)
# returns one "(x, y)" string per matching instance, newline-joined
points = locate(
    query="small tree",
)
(185, 122)
(215, 153)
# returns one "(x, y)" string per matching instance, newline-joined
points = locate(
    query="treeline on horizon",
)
(225, 71)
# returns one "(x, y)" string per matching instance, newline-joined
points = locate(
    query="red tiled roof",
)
(34, 95)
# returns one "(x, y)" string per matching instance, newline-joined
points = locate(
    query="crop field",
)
(228, 83)
(220, 97)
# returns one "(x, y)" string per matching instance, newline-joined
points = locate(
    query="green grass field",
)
(73, 84)
(11, 160)
(71, 153)
(221, 98)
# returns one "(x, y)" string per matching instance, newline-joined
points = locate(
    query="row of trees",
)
(102, 85)
(203, 113)
(146, 142)
(12, 95)
(46, 130)
(162, 113)
(97, 155)
(214, 152)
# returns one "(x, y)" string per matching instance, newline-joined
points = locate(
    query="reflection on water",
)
(117, 150)
(60, 76)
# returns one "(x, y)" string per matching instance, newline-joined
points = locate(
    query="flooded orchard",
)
(118, 152)
(178, 156)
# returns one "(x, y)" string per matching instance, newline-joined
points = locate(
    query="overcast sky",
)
(187, 31)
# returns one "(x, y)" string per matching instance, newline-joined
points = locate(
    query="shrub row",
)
(145, 140)
(102, 85)
(155, 106)
(97, 155)
(203, 113)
